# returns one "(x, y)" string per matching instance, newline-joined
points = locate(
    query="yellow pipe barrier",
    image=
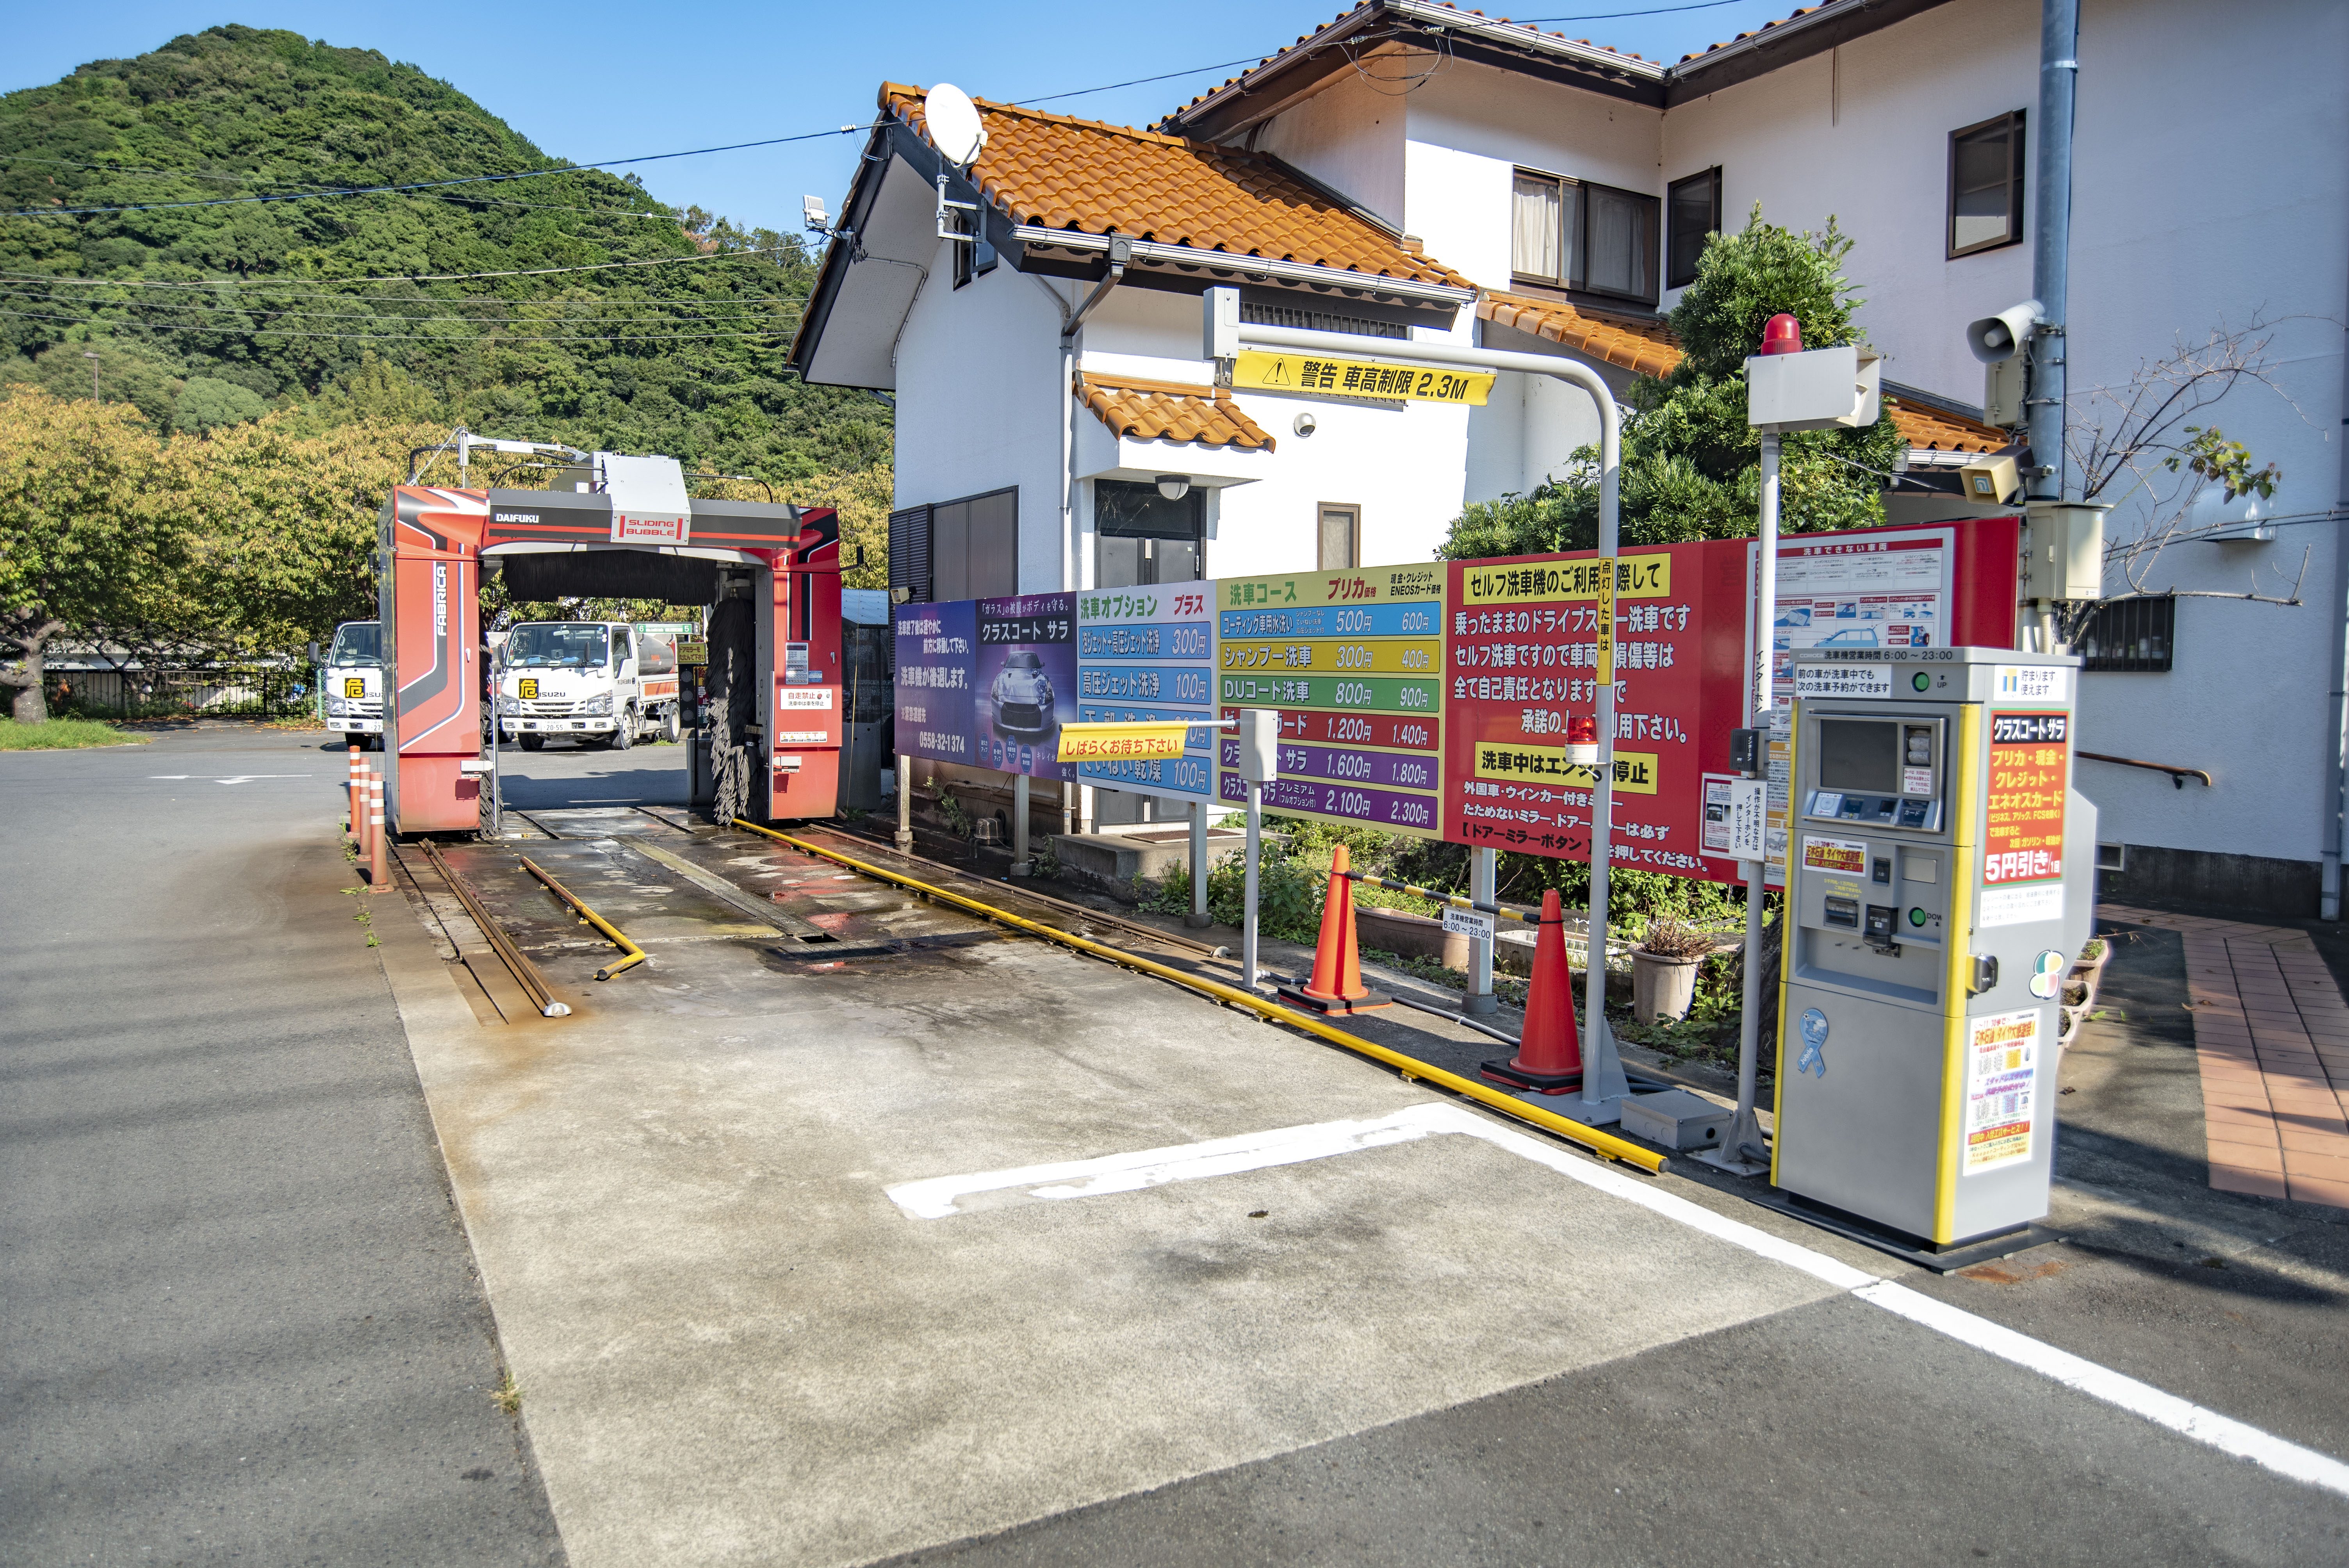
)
(635, 955)
(1411, 1067)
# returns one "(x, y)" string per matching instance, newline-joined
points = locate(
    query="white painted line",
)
(2191, 1420)
(230, 779)
(938, 1197)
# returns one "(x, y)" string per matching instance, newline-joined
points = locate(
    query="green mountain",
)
(204, 307)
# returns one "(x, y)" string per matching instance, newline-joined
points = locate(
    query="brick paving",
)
(2273, 1035)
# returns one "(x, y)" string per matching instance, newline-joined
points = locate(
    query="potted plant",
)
(1663, 970)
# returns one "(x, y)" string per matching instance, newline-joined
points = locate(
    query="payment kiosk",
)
(1941, 884)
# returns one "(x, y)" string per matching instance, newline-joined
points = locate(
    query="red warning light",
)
(1582, 729)
(1782, 334)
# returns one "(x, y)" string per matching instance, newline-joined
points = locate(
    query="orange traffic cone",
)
(1550, 1056)
(1337, 984)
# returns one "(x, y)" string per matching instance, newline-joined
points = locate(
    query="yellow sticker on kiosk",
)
(1129, 742)
(1258, 370)
(529, 688)
(1603, 601)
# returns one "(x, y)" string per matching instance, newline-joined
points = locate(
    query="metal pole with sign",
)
(1603, 1083)
(1224, 334)
(1259, 737)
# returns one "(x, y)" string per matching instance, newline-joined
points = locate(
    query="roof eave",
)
(1833, 23)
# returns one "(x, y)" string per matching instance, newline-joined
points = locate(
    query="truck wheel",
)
(532, 742)
(672, 729)
(623, 734)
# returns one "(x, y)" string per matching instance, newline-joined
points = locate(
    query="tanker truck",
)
(605, 682)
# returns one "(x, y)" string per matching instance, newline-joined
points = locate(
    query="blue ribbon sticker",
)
(1814, 1039)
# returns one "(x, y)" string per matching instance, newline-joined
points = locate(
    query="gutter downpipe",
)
(2336, 793)
(1603, 1082)
(1120, 253)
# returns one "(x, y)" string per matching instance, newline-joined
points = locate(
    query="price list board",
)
(1353, 663)
(1149, 653)
(1522, 657)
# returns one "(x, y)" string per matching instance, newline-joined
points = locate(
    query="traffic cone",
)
(1549, 1057)
(1337, 983)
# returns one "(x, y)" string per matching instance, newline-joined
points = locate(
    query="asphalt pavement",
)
(239, 1318)
(242, 1322)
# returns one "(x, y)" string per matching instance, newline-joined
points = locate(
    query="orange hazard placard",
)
(2023, 837)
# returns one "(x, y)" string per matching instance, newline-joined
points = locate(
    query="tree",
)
(207, 401)
(87, 537)
(2142, 434)
(1691, 464)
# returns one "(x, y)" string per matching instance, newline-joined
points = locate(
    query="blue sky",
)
(591, 79)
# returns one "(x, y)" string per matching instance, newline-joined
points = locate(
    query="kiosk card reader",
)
(1940, 886)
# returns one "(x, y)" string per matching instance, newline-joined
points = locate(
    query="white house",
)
(1412, 170)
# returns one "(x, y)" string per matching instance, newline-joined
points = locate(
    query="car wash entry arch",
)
(768, 741)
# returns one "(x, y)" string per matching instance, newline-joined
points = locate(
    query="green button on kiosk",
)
(1940, 885)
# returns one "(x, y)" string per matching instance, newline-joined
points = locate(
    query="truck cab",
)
(601, 681)
(350, 683)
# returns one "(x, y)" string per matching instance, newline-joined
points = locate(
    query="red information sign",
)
(2023, 836)
(1522, 652)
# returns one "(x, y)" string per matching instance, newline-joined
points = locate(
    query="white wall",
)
(979, 403)
(2210, 188)
(1349, 136)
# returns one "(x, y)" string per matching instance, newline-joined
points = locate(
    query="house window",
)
(1141, 536)
(1576, 235)
(967, 549)
(1339, 541)
(1692, 210)
(2129, 636)
(1986, 185)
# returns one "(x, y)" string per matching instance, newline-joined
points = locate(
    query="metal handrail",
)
(2178, 776)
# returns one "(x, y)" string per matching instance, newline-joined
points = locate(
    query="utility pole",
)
(93, 374)
(2059, 77)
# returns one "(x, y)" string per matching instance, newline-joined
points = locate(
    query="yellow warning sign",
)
(1130, 742)
(1259, 371)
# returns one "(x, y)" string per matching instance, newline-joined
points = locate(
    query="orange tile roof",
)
(1757, 32)
(1307, 40)
(1051, 171)
(1932, 430)
(1648, 346)
(1632, 342)
(1170, 411)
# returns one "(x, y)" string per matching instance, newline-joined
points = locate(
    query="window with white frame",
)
(1573, 234)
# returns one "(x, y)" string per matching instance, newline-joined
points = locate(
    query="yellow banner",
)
(1603, 601)
(1323, 656)
(1513, 761)
(1122, 742)
(1259, 371)
(1535, 582)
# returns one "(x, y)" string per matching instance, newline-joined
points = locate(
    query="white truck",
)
(604, 681)
(350, 683)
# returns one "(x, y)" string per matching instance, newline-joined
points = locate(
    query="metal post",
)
(2059, 77)
(1198, 919)
(1484, 870)
(905, 803)
(1020, 862)
(1247, 926)
(1743, 1149)
(497, 746)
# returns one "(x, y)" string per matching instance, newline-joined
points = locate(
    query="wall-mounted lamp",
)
(1174, 487)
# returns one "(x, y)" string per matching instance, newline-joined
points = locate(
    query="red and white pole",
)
(379, 851)
(359, 799)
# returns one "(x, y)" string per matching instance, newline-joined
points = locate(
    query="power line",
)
(288, 292)
(421, 185)
(384, 316)
(427, 277)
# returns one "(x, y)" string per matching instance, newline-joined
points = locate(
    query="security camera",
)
(2002, 337)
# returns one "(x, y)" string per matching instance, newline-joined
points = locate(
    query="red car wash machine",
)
(765, 711)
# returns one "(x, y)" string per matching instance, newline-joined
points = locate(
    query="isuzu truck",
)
(350, 683)
(601, 681)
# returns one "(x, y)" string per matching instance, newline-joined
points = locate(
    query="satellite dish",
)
(954, 124)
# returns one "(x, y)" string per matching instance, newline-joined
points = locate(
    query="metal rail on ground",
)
(525, 973)
(1412, 1068)
(635, 955)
